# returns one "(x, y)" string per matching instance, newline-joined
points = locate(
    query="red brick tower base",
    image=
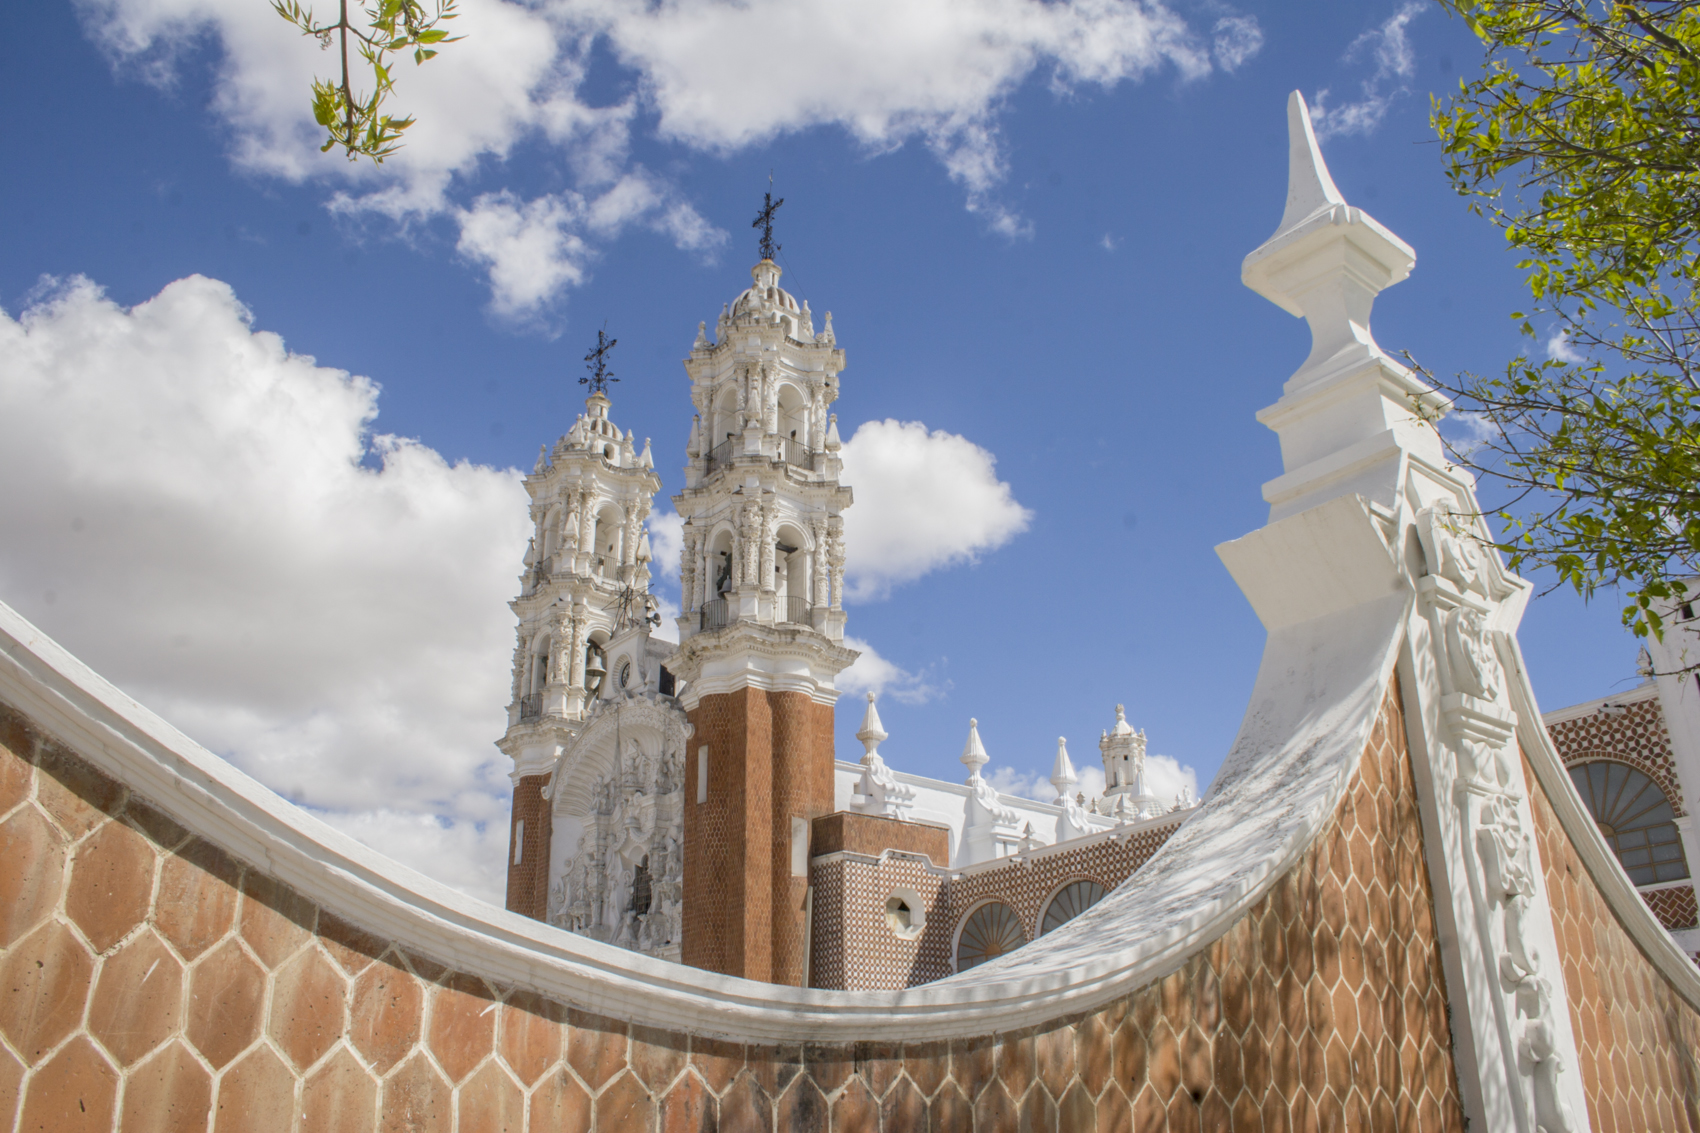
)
(528, 848)
(769, 776)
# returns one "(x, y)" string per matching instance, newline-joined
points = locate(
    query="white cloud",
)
(924, 500)
(528, 246)
(208, 520)
(887, 72)
(1107, 242)
(873, 673)
(666, 544)
(1164, 774)
(1234, 40)
(1390, 49)
(1559, 349)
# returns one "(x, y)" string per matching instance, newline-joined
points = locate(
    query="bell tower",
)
(586, 579)
(761, 635)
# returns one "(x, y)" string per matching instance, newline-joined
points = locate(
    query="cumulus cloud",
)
(1559, 349)
(1164, 774)
(1389, 48)
(210, 521)
(887, 72)
(873, 673)
(924, 500)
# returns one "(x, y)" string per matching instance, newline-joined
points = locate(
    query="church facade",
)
(684, 800)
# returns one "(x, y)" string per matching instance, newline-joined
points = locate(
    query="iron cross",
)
(765, 222)
(597, 362)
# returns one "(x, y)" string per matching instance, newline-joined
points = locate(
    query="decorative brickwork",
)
(770, 761)
(1674, 905)
(529, 830)
(855, 947)
(1636, 1038)
(873, 834)
(200, 993)
(1636, 736)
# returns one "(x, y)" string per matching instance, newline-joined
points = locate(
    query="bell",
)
(594, 671)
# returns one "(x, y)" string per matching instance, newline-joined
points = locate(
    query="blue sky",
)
(1027, 221)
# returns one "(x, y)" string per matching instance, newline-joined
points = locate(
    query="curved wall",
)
(156, 982)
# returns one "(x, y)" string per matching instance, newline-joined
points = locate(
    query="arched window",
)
(1636, 818)
(1071, 900)
(990, 931)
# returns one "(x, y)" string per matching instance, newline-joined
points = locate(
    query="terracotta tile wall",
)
(802, 761)
(528, 881)
(153, 983)
(1637, 1040)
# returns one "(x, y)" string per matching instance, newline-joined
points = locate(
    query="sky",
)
(263, 411)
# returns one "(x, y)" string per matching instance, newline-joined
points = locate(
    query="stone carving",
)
(622, 882)
(1470, 654)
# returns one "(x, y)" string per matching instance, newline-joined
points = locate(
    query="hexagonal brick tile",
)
(415, 1099)
(138, 1001)
(44, 984)
(596, 1048)
(197, 897)
(11, 1077)
(462, 1028)
(274, 919)
(349, 945)
(560, 1105)
(339, 1094)
(491, 1101)
(254, 1092)
(73, 793)
(657, 1057)
(308, 1003)
(689, 1107)
(73, 1093)
(34, 852)
(386, 1014)
(111, 884)
(169, 1093)
(17, 774)
(227, 990)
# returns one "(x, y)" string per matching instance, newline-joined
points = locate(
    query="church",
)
(1405, 901)
(684, 800)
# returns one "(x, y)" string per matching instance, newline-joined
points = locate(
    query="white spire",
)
(693, 447)
(1062, 771)
(833, 444)
(542, 460)
(643, 555)
(1310, 187)
(1123, 728)
(872, 733)
(974, 752)
(646, 460)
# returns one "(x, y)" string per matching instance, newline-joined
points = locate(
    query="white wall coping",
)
(1577, 711)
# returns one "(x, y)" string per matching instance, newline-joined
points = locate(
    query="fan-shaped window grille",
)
(1636, 818)
(1071, 900)
(992, 930)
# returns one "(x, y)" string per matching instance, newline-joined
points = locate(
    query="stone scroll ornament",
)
(1492, 805)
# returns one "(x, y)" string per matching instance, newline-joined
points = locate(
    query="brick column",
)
(770, 760)
(528, 879)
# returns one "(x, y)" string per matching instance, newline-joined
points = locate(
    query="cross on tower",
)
(764, 221)
(597, 362)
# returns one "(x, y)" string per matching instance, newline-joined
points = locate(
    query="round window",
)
(990, 931)
(625, 673)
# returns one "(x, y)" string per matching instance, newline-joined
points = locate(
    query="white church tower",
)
(586, 582)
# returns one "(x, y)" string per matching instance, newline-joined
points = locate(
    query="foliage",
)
(355, 123)
(1580, 139)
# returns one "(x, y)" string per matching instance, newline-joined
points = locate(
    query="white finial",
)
(827, 333)
(1062, 771)
(873, 733)
(1310, 187)
(646, 460)
(542, 460)
(569, 531)
(833, 444)
(643, 555)
(693, 447)
(974, 752)
(702, 335)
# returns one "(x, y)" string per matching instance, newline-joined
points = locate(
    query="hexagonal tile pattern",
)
(1322, 1008)
(34, 852)
(138, 1000)
(1635, 1037)
(111, 884)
